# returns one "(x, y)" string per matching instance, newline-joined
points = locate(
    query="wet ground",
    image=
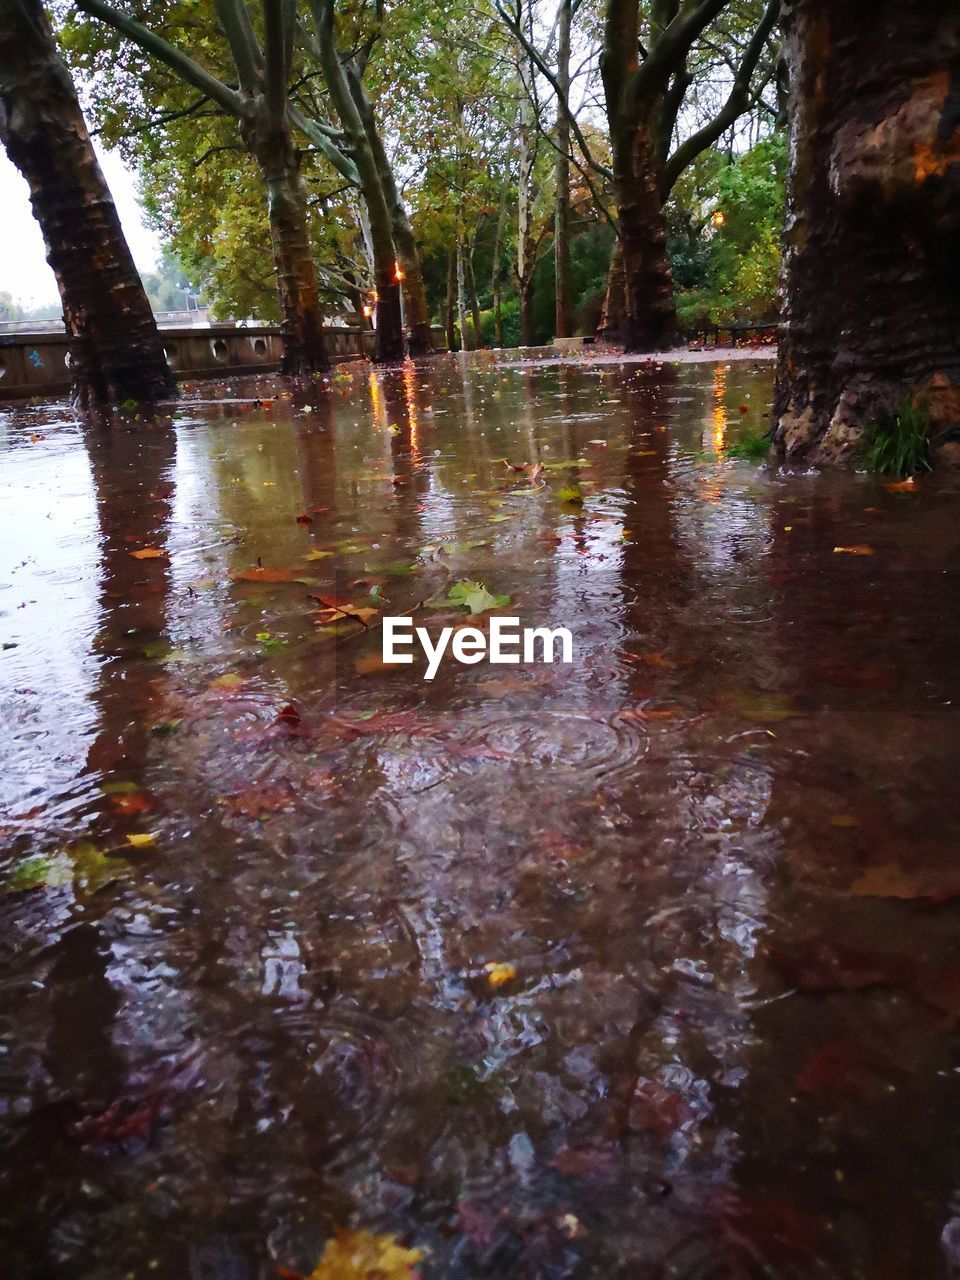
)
(641, 967)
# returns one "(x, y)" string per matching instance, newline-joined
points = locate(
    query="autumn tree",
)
(871, 322)
(652, 57)
(267, 125)
(115, 350)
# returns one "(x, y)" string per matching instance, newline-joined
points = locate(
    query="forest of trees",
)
(473, 148)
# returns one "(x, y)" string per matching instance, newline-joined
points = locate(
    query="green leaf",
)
(570, 493)
(475, 597)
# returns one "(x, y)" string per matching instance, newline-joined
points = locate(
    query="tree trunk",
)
(115, 350)
(465, 343)
(419, 340)
(561, 243)
(451, 300)
(527, 151)
(872, 266)
(650, 313)
(526, 311)
(474, 300)
(388, 343)
(496, 282)
(610, 327)
(304, 348)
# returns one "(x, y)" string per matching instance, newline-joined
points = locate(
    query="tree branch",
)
(320, 135)
(276, 15)
(232, 102)
(515, 26)
(669, 51)
(732, 109)
(235, 20)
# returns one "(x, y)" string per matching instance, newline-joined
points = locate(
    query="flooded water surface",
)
(640, 966)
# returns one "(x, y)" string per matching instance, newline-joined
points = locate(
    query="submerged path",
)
(642, 966)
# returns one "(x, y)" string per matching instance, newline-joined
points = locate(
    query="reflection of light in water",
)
(377, 403)
(719, 415)
(410, 396)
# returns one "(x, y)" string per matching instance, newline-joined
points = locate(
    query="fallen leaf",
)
(259, 573)
(333, 612)
(317, 555)
(902, 486)
(859, 549)
(139, 802)
(472, 596)
(148, 553)
(229, 681)
(141, 840)
(570, 493)
(361, 1255)
(499, 973)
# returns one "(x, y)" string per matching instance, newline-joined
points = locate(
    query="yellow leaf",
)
(860, 549)
(348, 613)
(142, 840)
(360, 1255)
(500, 973)
(230, 681)
(317, 555)
(148, 553)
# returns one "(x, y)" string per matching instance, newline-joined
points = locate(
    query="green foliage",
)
(900, 445)
(753, 446)
(729, 274)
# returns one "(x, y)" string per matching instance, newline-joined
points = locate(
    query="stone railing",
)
(38, 363)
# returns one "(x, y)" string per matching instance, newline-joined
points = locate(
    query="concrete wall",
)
(38, 364)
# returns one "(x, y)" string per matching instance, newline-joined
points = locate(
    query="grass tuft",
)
(900, 445)
(753, 446)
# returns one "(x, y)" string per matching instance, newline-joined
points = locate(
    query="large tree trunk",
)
(561, 243)
(650, 313)
(872, 267)
(610, 326)
(304, 349)
(115, 350)
(419, 340)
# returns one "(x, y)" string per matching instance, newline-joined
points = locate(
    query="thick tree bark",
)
(610, 327)
(650, 313)
(872, 268)
(304, 348)
(561, 242)
(419, 341)
(116, 353)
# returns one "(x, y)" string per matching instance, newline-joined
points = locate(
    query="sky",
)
(23, 268)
